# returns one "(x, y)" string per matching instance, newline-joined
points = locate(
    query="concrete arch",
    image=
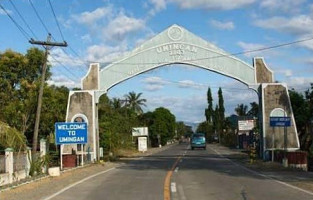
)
(164, 49)
(176, 45)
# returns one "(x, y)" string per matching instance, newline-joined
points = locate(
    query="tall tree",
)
(221, 108)
(220, 112)
(241, 110)
(19, 75)
(163, 125)
(134, 102)
(209, 110)
(254, 110)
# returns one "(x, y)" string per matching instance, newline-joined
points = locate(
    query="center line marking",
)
(167, 181)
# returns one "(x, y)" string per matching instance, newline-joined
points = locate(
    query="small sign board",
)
(280, 121)
(71, 133)
(245, 125)
(140, 131)
(142, 144)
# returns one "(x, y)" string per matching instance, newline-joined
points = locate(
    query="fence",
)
(20, 161)
(2, 164)
(15, 166)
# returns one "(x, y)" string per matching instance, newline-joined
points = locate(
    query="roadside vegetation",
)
(219, 128)
(19, 85)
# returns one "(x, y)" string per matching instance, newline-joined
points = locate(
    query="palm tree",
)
(10, 137)
(241, 110)
(116, 103)
(134, 102)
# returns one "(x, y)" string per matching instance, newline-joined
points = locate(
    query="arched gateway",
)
(172, 46)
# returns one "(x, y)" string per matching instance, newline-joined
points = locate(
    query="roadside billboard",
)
(245, 125)
(142, 144)
(140, 131)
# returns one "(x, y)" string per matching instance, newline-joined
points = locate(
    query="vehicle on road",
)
(198, 141)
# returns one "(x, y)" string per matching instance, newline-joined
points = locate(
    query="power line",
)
(58, 25)
(23, 19)
(27, 36)
(24, 33)
(64, 68)
(181, 83)
(56, 20)
(38, 16)
(69, 56)
(223, 55)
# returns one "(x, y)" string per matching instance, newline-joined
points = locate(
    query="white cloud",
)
(222, 25)
(154, 83)
(250, 46)
(299, 83)
(297, 25)
(191, 84)
(105, 53)
(213, 4)
(3, 13)
(307, 44)
(58, 56)
(189, 109)
(285, 72)
(89, 18)
(86, 38)
(61, 80)
(287, 6)
(153, 87)
(119, 27)
(158, 5)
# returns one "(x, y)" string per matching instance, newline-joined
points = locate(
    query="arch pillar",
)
(83, 103)
(276, 96)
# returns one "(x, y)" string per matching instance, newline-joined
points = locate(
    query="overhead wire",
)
(24, 33)
(38, 16)
(22, 18)
(61, 33)
(222, 55)
(56, 20)
(47, 30)
(64, 67)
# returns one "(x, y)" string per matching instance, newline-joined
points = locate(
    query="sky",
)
(102, 30)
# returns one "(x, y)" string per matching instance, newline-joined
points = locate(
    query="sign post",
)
(71, 133)
(282, 122)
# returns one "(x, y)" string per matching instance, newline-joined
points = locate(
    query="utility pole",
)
(48, 46)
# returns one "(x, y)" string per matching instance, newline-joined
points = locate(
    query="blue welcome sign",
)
(71, 133)
(280, 121)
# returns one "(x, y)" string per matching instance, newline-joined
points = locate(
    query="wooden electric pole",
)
(47, 45)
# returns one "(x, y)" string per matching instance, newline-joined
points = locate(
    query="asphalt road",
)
(180, 173)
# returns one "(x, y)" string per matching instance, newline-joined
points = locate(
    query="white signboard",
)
(245, 125)
(142, 144)
(140, 131)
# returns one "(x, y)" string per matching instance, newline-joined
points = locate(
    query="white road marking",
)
(78, 182)
(181, 160)
(173, 187)
(176, 169)
(263, 175)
